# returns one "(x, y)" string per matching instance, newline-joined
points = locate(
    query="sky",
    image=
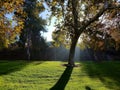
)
(50, 27)
(10, 17)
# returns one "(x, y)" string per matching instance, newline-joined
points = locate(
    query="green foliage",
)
(19, 75)
(75, 17)
(59, 38)
(7, 33)
(33, 25)
(25, 14)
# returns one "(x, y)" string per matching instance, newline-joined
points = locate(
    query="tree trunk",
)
(75, 36)
(72, 51)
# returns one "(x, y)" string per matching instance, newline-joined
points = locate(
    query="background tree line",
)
(23, 30)
(92, 24)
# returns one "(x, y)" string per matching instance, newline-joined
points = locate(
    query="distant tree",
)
(76, 16)
(33, 26)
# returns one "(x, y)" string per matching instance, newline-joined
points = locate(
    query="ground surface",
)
(45, 75)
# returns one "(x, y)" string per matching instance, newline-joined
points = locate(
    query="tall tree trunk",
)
(72, 51)
(76, 34)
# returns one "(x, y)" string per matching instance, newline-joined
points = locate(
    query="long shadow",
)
(107, 72)
(62, 82)
(87, 88)
(7, 67)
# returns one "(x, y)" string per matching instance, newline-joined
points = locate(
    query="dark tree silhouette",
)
(30, 37)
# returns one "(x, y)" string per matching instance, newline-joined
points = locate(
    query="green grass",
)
(43, 75)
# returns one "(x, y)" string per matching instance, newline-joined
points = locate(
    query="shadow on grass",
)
(7, 67)
(107, 72)
(62, 82)
(87, 88)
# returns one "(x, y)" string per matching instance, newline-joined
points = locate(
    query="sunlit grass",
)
(40, 75)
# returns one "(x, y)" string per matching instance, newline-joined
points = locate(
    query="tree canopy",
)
(33, 24)
(8, 32)
(86, 19)
(24, 22)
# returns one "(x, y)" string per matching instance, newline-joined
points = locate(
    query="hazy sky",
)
(50, 28)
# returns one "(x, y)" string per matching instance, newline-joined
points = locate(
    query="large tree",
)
(76, 16)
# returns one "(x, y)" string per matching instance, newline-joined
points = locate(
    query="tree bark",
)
(75, 34)
(72, 51)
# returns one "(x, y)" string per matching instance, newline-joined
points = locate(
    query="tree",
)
(33, 26)
(103, 34)
(77, 15)
(8, 32)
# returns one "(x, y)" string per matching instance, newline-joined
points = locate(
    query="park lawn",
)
(43, 75)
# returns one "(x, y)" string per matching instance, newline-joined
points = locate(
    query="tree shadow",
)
(63, 80)
(7, 67)
(87, 88)
(107, 72)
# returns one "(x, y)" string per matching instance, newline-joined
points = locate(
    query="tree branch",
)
(75, 15)
(102, 10)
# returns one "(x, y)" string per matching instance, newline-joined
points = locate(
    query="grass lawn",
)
(51, 75)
